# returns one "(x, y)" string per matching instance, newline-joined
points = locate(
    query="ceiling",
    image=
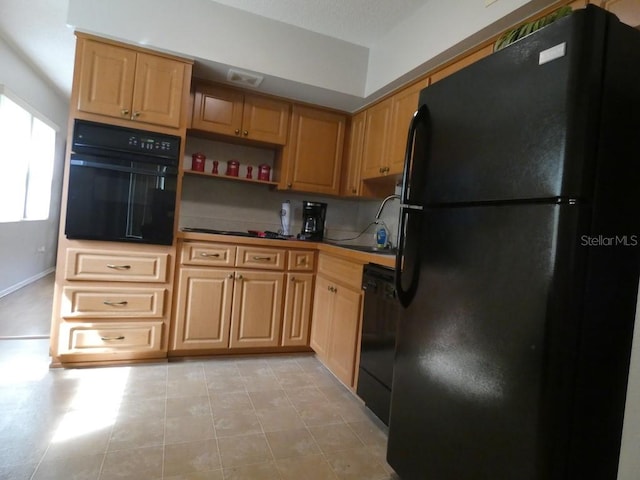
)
(38, 29)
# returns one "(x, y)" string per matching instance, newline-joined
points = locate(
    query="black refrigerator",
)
(518, 261)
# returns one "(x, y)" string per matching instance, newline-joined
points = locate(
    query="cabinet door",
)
(203, 311)
(353, 162)
(265, 120)
(106, 79)
(463, 62)
(628, 11)
(256, 319)
(344, 333)
(313, 155)
(376, 134)
(217, 110)
(297, 309)
(321, 317)
(404, 104)
(157, 94)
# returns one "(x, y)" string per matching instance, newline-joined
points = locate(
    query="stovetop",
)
(246, 233)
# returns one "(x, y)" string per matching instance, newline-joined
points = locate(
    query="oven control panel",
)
(104, 139)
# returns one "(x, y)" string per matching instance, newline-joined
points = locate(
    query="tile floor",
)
(266, 417)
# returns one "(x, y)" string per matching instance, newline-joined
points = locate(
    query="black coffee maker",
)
(313, 217)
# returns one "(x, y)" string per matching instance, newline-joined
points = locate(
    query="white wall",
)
(210, 31)
(20, 261)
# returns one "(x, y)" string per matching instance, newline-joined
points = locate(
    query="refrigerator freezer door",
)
(519, 124)
(480, 350)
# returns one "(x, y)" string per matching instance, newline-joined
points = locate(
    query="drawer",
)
(340, 270)
(256, 257)
(110, 302)
(301, 260)
(110, 337)
(208, 254)
(116, 266)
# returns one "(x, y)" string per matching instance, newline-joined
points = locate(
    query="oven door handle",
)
(105, 166)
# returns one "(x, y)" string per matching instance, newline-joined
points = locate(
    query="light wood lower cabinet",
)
(203, 305)
(337, 311)
(112, 302)
(240, 307)
(113, 341)
(297, 309)
(256, 317)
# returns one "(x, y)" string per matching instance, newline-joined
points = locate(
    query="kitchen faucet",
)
(384, 202)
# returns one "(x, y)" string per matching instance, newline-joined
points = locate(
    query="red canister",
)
(233, 168)
(197, 162)
(264, 171)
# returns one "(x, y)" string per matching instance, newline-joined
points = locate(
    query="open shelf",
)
(227, 177)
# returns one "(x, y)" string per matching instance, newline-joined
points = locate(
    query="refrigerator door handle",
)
(407, 259)
(410, 171)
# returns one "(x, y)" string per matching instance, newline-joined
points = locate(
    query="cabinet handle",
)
(111, 339)
(380, 170)
(293, 279)
(118, 267)
(116, 304)
(353, 190)
(332, 289)
(289, 185)
(261, 259)
(239, 277)
(237, 131)
(245, 133)
(205, 254)
(136, 114)
(230, 275)
(124, 112)
(385, 169)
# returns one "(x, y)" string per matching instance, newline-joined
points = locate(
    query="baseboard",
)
(26, 282)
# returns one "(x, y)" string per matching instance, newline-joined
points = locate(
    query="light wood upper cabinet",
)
(203, 312)
(386, 129)
(312, 158)
(628, 11)
(297, 309)
(257, 309)
(376, 139)
(403, 106)
(351, 185)
(231, 112)
(123, 83)
(460, 64)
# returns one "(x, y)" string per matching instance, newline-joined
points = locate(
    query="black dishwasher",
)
(380, 317)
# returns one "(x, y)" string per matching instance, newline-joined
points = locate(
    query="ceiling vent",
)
(245, 79)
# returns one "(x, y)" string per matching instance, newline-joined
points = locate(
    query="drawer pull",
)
(112, 339)
(123, 303)
(261, 259)
(118, 267)
(205, 254)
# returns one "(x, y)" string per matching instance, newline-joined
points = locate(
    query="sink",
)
(367, 248)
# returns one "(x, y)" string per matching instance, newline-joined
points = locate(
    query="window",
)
(27, 152)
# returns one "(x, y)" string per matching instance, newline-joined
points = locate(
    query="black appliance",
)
(378, 344)
(122, 184)
(313, 218)
(519, 262)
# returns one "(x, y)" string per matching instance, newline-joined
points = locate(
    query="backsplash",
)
(225, 204)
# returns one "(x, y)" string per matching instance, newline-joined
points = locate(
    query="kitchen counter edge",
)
(349, 254)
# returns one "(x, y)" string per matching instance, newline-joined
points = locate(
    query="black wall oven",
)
(122, 184)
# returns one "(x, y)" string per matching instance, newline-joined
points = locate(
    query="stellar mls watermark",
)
(609, 241)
